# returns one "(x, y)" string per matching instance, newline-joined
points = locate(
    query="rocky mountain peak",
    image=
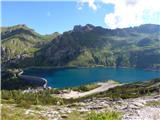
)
(88, 27)
(17, 29)
(80, 28)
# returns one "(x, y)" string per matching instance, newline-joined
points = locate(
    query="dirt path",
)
(104, 86)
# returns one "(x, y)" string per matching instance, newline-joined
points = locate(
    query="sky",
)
(51, 16)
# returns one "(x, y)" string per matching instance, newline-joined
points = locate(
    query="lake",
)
(69, 77)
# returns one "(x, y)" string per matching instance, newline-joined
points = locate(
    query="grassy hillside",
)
(20, 42)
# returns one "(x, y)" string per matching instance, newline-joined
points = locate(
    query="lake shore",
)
(101, 66)
(77, 76)
(104, 86)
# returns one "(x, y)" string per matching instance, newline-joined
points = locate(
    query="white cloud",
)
(131, 12)
(91, 4)
(128, 12)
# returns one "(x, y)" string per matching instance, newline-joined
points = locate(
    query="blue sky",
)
(48, 17)
(54, 16)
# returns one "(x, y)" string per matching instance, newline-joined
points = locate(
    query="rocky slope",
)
(29, 103)
(131, 109)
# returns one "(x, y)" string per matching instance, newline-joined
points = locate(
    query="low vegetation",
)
(84, 88)
(16, 113)
(27, 99)
(153, 103)
(12, 112)
(47, 97)
(94, 116)
(131, 90)
(75, 115)
(105, 116)
(134, 90)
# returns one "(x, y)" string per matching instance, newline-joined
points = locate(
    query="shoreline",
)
(101, 66)
(65, 67)
(104, 86)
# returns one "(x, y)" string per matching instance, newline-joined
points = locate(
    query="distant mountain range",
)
(83, 46)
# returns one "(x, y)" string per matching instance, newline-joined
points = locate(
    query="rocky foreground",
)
(143, 108)
(141, 101)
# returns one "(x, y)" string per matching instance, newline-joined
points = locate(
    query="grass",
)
(112, 115)
(26, 99)
(104, 116)
(88, 87)
(12, 112)
(46, 97)
(132, 90)
(153, 103)
(16, 113)
(75, 115)
(85, 88)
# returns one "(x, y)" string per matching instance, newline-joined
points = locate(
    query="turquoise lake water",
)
(69, 77)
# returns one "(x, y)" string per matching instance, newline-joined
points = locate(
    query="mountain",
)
(90, 45)
(20, 42)
(84, 46)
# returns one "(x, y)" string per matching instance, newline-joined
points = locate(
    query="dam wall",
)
(38, 81)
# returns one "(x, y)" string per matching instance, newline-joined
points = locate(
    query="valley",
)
(131, 56)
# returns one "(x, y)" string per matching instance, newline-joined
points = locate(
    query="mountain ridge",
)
(91, 45)
(87, 38)
(20, 41)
